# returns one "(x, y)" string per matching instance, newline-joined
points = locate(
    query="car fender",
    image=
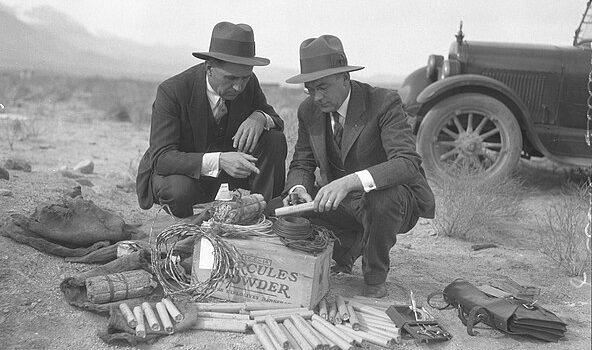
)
(478, 83)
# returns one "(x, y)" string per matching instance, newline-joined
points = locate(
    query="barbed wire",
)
(579, 282)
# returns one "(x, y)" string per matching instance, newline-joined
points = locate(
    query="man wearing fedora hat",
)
(211, 124)
(372, 185)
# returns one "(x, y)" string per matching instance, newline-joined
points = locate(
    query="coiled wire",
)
(298, 233)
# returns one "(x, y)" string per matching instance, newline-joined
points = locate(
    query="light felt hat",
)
(321, 57)
(233, 43)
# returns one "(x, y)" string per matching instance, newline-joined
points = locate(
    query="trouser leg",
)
(271, 153)
(180, 192)
(384, 214)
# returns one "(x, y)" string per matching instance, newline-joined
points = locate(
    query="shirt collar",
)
(343, 109)
(213, 96)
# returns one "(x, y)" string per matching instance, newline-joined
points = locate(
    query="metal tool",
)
(413, 305)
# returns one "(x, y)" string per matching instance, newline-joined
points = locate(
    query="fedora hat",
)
(321, 57)
(233, 43)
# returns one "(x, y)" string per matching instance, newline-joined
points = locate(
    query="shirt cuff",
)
(269, 123)
(295, 187)
(366, 179)
(210, 164)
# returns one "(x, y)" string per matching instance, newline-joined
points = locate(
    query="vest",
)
(216, 136)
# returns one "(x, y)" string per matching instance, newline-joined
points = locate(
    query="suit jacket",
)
(376, 137)
(179, 126)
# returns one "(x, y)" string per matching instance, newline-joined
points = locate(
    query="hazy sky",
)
(385, 36)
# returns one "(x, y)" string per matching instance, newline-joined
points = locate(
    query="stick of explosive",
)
(294, 209)
(323, 308)
(172, 309)
(140, 328)
(277, 332)
(164, 317)
(150, 316)
(341, 308)
(128, 314)
(263, 337)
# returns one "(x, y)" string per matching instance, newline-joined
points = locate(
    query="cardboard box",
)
(271, 273)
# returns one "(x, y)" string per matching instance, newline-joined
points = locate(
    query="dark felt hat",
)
(321, 57)
(234, 43)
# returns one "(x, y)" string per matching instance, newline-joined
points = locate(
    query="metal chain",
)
(587, 230)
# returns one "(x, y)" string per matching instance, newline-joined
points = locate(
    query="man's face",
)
(328, 92)
(228, 82)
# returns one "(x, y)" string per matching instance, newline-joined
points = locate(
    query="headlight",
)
(434, 62)
(449, 68)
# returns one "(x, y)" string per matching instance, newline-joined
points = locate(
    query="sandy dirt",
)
(34, 314)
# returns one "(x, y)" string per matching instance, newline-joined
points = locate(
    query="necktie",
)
(337, 128)
(220, 110)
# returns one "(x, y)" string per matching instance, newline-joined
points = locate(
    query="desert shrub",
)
(561, 230)
(472, 208)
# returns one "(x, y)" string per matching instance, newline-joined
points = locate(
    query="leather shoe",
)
(375, 290)
(339, 268)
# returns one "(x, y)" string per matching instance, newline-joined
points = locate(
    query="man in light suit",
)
(211, 124)
(372, 183)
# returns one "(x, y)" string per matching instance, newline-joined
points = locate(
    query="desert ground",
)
(62, 132)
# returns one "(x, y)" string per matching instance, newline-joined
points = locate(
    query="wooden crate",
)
(272, 273)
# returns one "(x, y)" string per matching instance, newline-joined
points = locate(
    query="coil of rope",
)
(298, 233)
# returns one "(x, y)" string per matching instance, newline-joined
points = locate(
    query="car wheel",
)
(474, 134)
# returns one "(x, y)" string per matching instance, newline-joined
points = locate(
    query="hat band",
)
(232, 47)
(318, 63)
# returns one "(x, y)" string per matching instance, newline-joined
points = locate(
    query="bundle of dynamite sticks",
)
(144, 314)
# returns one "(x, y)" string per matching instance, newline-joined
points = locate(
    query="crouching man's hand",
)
(237, 164)
(330, 195)
(299, 195)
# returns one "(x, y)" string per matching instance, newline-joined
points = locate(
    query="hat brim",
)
(305, 78)
(248, 61)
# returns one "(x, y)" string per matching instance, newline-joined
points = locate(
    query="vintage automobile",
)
(487, 104)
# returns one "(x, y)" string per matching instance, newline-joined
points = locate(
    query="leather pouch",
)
(509, 315)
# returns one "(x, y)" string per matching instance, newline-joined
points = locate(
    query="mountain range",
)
(51, 41)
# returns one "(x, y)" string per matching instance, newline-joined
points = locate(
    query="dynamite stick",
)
(373, 338)
(368, 309)
(332, 336)
(304, 345)
(281, 317)
(211, 314)
(274, 341)
(326, 343)
(293, 343)
(256, 313)
(164, 318)
(332, 311)
(252, 306)
(350, 332)
(172, 309)
(294, 209)
(303, 328)
(263, 337)
(277, 332)
(353, 318)
(150, 316)
(337, 319)
(334, 329)
(220, 307)
(140, 328)
(128, 314)
(341, 308)
(224, 325)
(323, 308)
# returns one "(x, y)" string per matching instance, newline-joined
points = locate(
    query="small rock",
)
(85, 182)
(127, 187)
(6, 193)
(18, 164)
(4, 174)
(69, 174)
(85, 167)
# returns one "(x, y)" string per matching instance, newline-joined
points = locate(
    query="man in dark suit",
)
(372, 183)
(211, 124)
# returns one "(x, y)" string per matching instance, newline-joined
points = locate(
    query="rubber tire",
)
(441, 113)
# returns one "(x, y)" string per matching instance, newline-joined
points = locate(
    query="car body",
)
(490, 103)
